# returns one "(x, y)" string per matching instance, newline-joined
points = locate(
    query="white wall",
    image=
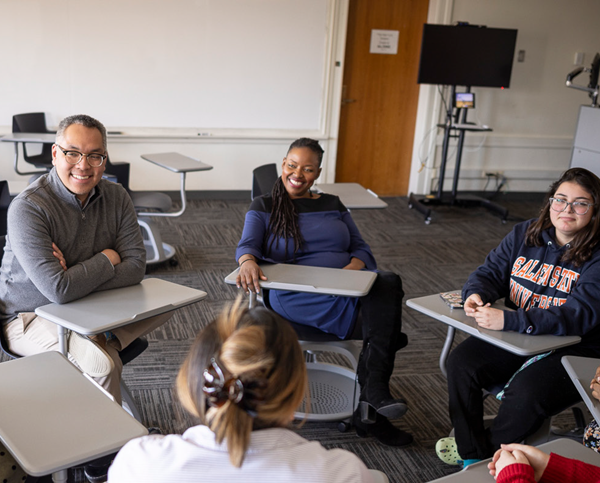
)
(534, 120)
(253, 74)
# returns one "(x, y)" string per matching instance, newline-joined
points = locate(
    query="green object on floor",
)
(447, 451)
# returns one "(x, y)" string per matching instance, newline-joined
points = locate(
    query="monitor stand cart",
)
(455, 122)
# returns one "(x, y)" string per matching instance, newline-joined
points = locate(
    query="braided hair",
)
(283, 222)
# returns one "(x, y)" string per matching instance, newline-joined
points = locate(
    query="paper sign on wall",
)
(384, 41)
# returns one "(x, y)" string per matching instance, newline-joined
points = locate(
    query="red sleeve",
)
(565, 470)
(516, 473)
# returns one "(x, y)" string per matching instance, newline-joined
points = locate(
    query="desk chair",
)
(545, 433)
(143, 202)
(333, 388)
(263, 179)
(127, 355)
(4, 203)
(34, 122)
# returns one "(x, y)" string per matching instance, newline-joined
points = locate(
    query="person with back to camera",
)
(244, 378)
(549, 271)
(295, 225)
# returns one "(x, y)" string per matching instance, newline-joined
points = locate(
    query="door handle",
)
(348, 101)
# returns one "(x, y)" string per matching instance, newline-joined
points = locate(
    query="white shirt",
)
(274, 455)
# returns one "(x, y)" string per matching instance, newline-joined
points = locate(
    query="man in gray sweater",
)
(71, 233)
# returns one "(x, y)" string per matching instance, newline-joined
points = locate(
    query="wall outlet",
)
(492, 174)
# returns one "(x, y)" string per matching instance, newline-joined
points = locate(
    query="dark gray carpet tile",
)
(423, 280)
(427, 399)
(157, 365)
(191, 259)
(204, 234)
(159, 408)
(221, 257)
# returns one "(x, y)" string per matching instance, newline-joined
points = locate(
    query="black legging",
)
(540, 391)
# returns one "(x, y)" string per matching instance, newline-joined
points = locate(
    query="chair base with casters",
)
(333, 389)
(156, 250)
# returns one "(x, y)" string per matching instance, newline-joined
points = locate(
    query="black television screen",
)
(466, 55)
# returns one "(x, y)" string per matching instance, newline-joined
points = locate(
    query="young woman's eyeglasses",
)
(579, 207)
(95, 160)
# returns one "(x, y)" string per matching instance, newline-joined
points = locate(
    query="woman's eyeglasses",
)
(560, 205)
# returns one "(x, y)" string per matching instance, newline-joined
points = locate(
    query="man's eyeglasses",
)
(579, 207)
(95, 160)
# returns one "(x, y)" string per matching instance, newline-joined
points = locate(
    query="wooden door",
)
(380, 93)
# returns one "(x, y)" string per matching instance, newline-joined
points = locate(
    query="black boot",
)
(375, 397)
(381, 312)
(382, 430)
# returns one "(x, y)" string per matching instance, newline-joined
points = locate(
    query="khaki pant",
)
(29, 334)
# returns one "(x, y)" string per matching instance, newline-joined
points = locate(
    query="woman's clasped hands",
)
(510, 454)
(485, 316)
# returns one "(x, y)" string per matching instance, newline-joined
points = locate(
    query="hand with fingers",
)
(595, 385)
(489, 318)
(472, 303)
(485, 316)
(519, 453)
(250, 274)
(59, 255)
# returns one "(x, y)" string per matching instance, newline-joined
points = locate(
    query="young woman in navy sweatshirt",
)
(548, 271)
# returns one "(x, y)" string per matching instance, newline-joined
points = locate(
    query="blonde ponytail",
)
(244, 371)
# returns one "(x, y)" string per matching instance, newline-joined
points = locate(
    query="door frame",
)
(429, 106)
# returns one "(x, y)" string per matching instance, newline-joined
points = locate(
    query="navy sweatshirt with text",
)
(550, 297)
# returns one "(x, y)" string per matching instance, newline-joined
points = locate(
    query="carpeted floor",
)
(429, 258)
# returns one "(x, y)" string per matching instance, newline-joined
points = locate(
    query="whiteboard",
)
(231, 64)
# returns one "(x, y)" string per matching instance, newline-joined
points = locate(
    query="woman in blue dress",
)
(295, 225)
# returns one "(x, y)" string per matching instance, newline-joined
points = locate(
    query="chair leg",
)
(128, 402)
(582, 415)
(542, 435)
(310, 356)
(446, 350)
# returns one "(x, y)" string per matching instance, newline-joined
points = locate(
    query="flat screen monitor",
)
(466, 55)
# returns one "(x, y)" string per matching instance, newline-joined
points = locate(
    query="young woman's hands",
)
(485, 316)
